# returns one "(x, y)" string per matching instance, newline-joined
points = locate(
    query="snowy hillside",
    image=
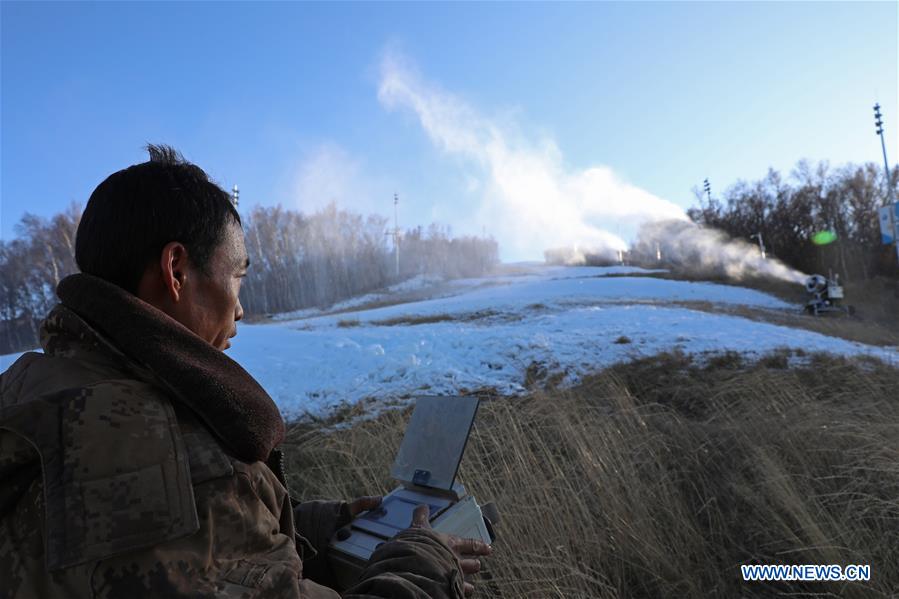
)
(491, 330)
(488, 332)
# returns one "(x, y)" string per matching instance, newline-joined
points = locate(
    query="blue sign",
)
(889, 223)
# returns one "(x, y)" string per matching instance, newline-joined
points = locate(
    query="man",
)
(137, 459)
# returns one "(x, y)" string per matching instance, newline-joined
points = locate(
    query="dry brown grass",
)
(414, 319)
(876, 300)
(660, 477)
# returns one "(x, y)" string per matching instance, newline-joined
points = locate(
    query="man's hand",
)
(467, 550)
(369, 502)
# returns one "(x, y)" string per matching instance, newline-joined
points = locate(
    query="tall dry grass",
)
(659, 478)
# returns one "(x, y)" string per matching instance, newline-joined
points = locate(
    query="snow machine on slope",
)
(826, 296)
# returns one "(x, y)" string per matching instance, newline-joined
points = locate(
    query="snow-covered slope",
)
(489, 331)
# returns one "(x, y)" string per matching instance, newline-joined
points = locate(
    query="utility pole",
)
(761, 244)
(707, 188)
(396, 234)
(889, 207)
(883, 145)
(235, 196)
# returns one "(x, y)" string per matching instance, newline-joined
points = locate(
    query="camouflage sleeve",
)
(240, 551)
(316, 522)
(416, 564)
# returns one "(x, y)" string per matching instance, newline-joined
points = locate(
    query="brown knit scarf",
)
(228, 400)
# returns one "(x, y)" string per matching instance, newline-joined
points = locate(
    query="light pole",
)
(761, 244)
(886, 165)
(396, 234)
(889, 206)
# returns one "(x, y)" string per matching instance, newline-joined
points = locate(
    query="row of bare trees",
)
(814, 199)
(300, 261)
(296, 261)
(30, 267)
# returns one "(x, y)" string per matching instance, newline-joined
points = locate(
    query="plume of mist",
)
(707, 251)
(534, 204)
(328, 173)
(578, 256)
(530, 200)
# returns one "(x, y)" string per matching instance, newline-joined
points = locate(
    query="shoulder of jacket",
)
(116, 471)
(36, 374)
(12, 380)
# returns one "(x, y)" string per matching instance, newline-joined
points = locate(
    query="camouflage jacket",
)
(117, 481)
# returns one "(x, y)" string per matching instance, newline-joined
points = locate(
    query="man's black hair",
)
(135, 212)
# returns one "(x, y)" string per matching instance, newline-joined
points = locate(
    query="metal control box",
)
(425, 468)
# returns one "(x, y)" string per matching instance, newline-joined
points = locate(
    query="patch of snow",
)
(582, 285)
(571, 320)
(565, 317)
(314, 370)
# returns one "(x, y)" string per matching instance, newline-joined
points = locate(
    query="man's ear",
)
(173, 262)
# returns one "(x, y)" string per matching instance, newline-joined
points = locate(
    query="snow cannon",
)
(826, 295)
(816, 284)
(425, 466)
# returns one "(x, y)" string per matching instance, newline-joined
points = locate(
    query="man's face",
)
(212, 306)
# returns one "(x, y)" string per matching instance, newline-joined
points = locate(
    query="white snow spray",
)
(534, 205)
(709, 251)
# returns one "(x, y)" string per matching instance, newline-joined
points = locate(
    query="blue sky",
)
(518, 119)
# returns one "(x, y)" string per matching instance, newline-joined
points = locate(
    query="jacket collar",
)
(222, 394)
